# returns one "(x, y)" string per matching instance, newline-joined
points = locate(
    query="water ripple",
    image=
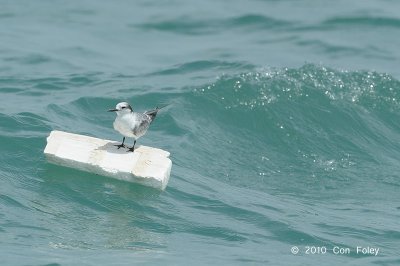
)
(189, 26)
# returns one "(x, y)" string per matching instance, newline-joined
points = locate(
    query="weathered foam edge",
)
(168, 173)
(149, 182)
(159, 183)
(52, 147)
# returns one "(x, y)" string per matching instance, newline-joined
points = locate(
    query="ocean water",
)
(283, 128)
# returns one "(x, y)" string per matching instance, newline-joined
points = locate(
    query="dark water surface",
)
(283, 130)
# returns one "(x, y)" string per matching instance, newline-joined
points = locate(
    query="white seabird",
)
(132, 124)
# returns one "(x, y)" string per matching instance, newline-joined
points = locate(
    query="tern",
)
(132, 124)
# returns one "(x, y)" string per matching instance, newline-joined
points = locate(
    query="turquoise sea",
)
(283, 128)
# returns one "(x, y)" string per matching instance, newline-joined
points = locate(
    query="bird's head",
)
(122, 108)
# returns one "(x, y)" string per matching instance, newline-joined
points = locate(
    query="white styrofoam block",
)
(146, 165)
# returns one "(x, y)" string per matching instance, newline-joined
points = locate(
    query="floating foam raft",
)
(146, 165)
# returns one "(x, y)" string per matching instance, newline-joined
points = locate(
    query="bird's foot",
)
(120, 146)
(131, 149)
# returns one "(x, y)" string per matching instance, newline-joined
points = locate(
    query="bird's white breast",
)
(124, 124)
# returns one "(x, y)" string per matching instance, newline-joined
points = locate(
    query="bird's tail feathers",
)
(153, 113)
(162, 106)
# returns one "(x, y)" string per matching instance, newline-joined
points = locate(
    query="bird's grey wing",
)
(143, 122)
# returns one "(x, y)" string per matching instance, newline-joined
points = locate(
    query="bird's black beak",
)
(112, 110)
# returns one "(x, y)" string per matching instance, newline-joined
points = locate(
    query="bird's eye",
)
(123, 107)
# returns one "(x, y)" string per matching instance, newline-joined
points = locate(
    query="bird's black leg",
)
(133, 147)
(122, 144)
